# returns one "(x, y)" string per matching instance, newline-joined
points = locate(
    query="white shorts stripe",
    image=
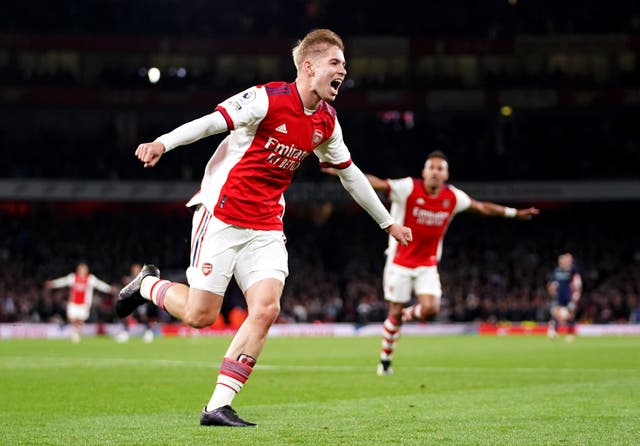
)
(197, 238)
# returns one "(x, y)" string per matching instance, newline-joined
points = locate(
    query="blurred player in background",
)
(237, 225)
(81, 285)
(565, 289)
(144, 314)
(427, 206)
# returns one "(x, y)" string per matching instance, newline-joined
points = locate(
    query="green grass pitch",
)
(449, 390)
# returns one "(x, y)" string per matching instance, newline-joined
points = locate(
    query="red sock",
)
(390, 334)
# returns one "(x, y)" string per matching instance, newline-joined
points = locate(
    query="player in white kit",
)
(81, 287)
(426, 205)
(237, 225)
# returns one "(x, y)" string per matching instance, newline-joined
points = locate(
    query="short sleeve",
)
(400, 189)
(245, 109)
(463, 201)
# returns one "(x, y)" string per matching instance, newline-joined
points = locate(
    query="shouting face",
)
(327, 71)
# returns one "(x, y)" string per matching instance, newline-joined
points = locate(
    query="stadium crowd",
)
(491, 270)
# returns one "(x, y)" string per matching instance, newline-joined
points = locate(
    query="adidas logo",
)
(281, 128)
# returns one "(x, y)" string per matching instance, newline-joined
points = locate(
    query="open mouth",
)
(335, 84)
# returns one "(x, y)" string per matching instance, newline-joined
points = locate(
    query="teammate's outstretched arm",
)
(490, 209)
(377, 183)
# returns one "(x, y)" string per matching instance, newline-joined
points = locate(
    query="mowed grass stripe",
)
(315, 391)
(16, 362)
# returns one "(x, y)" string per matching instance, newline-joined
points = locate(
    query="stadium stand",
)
(512, 91)
(491, 271)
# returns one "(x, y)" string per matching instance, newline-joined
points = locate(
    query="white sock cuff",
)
(146, 285)
(230, 382)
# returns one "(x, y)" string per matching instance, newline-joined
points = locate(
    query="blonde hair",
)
(313, 44)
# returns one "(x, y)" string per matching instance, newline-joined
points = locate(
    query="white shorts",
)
(220, 251)
(78, 311)
(399, 282)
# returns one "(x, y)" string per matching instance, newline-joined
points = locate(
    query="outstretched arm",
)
(355, 182)
(103, 286)
(488, 208)
(377, 183)
(59, 282)
(150, 152)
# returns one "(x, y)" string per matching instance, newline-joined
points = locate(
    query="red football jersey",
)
(428, 216)
(81, 287)
(78, 291)
(271, 133)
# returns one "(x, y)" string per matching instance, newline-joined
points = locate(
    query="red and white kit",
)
(240, 202)
(80, 293)
(414, 267)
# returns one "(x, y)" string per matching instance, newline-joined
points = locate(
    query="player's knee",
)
(395, 309)
(430, 310)
(199, 319)
(266, 313)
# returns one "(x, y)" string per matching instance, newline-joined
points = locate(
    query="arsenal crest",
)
(206, 268)
(317, 137)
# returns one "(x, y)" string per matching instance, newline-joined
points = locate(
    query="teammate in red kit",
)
(237, 225)
(427, 206)
(81, 286)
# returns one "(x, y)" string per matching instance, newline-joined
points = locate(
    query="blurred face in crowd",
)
(82, 269)
(435, 174)
(565, 261)
(135, 269)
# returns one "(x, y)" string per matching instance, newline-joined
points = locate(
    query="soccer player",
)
(427, 206)
(81, 285)
(237, 225)
(565, 289)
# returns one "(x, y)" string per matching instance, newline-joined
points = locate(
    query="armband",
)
(510, 212)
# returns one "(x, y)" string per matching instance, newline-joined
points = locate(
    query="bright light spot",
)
(153, 74)
(505, 110)
(182, 72)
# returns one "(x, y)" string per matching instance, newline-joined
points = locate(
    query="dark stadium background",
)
(535, 103)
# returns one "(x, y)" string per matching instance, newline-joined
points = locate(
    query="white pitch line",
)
(28, 362)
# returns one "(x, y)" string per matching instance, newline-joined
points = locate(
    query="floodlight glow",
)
(153, 74)
(506, 110)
